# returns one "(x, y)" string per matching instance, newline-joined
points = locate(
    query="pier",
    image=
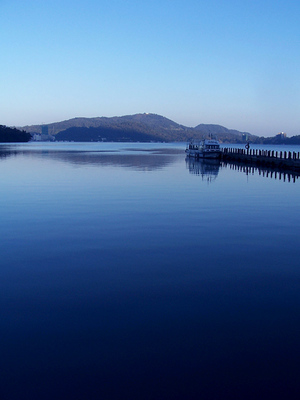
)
(281, 160)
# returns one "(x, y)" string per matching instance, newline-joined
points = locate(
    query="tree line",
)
(13, 135)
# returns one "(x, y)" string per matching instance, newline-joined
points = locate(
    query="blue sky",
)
(230, 62)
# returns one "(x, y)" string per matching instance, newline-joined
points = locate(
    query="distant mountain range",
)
(134, 128)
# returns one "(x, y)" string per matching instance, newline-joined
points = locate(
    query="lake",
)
(129, 272)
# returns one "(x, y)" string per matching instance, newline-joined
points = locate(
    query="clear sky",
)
(230, 62)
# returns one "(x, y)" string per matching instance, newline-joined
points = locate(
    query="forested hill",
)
(137, 127)
(13, 135)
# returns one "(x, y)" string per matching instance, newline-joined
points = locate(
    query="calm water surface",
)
(129, 272)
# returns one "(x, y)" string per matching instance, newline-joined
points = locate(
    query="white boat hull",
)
(205, 154)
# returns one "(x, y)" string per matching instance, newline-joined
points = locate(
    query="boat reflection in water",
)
(208, 169)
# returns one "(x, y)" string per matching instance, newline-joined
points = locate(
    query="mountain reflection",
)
(207, 169)
(138, 159)
(7, 152)
(141, 162)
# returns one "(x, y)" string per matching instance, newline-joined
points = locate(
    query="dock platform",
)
(284, 160)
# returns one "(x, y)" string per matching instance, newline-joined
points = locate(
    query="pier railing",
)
(283, 155)
(271, 158)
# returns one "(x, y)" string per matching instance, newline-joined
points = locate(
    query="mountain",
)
(220, 131)
(106, 134)
(278, 139)
(137, 127)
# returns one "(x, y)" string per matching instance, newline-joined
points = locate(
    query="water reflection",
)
(207, 169)
(141, 159)
(275, 173)
(141, 162)
(6, 152)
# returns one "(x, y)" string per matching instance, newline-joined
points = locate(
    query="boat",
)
(206, 148)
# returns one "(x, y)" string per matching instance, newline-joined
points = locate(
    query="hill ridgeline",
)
(135, 128)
